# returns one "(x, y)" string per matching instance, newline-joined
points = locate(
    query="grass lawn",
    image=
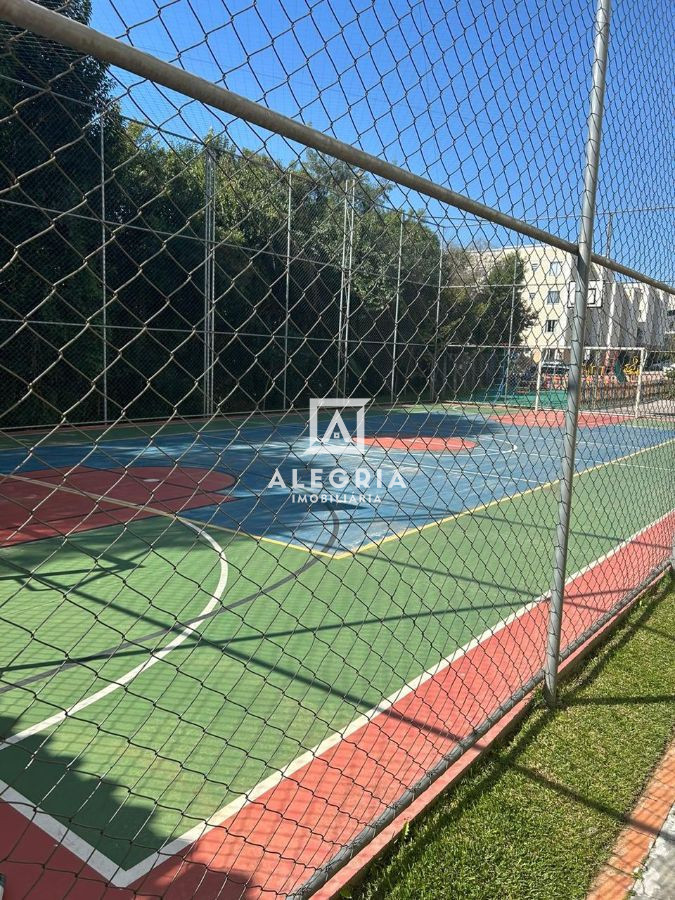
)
(539, 815)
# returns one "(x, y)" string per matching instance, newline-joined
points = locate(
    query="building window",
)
(555, 268)
(533, 295)
(534, 266)
(553, 297)
(550, 326)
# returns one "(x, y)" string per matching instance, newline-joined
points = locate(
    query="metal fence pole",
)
(612, 289)
(209, 280)
(437, 322)
(212, 286)
(348, 291)
(396, 311)
(593, 138)
(513, 305)
(104, 273)
(287, 310)
(342, 287)
(537, 394)
(638, 392)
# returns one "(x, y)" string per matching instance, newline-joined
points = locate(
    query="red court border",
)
(274, 843)
(645, 824)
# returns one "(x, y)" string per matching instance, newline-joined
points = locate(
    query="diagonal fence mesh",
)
(284, 427)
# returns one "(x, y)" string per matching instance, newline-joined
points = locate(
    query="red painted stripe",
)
(307, 818)
(274, 844)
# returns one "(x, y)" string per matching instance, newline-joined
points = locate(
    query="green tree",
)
(386, 261)
(483, 311)
(49, 185)
(155, 272)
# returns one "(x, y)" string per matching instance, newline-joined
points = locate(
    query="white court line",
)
(119, 877)
(643, 466)
(154, 658)
(506, 476)
(57, 830)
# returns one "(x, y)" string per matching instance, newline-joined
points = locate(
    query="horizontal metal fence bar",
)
(428, 219)
(268, 335)
(86, 40)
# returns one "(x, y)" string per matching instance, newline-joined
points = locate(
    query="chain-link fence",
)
(313, 466)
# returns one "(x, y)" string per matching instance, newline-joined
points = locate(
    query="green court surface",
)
(292, 645)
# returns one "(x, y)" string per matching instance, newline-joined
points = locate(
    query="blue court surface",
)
(507, 459)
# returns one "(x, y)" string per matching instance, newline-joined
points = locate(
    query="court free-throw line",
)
(154, 658)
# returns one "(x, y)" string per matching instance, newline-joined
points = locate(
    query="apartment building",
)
(620, 314)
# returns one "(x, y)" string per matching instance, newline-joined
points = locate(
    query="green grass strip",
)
(540, 814)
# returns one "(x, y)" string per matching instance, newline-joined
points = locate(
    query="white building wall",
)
(631, 314)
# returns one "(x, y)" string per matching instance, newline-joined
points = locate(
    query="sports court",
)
(206, 674)
(252, 621)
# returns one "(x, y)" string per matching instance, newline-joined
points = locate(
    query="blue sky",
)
(489, 99)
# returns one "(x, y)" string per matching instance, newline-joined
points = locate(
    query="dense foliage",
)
(52, 265)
